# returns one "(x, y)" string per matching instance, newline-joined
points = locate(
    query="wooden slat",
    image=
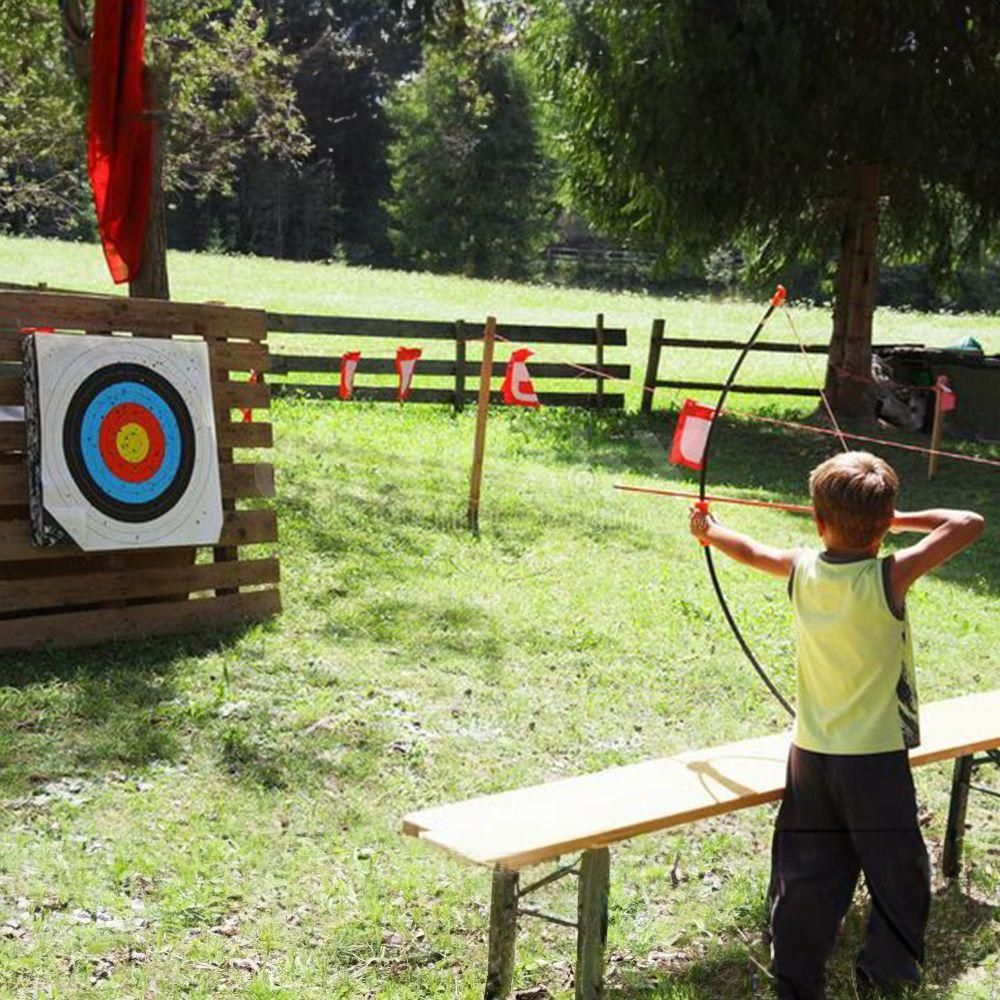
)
(238, 480)
(738, 345)
(519, 828)
(150, 316)
(237, 357)
(10, 347)
(236, 395)
(525, 334)
(241, 435)
(285, 364)
(769, 390)
(12, 435)
(11, 390)
(241, 527)
(95, 588)
(78, 628)
(247, 480)
(361, 326)
(388, 394)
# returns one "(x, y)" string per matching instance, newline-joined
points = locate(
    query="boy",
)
(849, 803)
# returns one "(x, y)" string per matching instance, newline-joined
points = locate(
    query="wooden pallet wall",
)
(61, 596)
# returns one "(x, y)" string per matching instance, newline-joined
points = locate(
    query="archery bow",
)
(776, 301)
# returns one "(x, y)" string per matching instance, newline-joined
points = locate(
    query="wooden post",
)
(592, 923)
(652, 366)
(503, 934)
(599, 340)
(951, 858)
(459, 366)
(485, 375)
(937, 426)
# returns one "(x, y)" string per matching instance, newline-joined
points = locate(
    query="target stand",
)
(130, 485)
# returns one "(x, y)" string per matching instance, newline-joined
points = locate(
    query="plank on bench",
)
(530, 825)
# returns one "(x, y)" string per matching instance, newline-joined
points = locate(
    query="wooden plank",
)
(523, 827)
(237, 357)
(769, 390)
(240, 395)
(241, 435)
(10, 346)
(530, 334)
(238, 480)
(361, 326)
(12, 435)
(240, 527)
(286, 364)
(11, 390)
(385, 394)
(151, 316)
(766, 346)
(247, 480)
(132, 584)
(79, 628)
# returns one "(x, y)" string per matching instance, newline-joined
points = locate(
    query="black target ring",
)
(142, 471)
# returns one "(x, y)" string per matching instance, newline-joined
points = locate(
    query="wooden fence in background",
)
(450, 374)
(61, 596)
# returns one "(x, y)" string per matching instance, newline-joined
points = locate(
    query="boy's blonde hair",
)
(855, 493)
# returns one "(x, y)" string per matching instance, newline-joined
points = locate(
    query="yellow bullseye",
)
(132, 442)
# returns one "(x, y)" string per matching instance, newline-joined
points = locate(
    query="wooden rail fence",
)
(451, 374)
(61, 596)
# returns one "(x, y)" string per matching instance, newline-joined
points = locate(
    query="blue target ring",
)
(92, 408)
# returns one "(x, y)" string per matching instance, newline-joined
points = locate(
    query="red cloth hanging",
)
(120, 134)
(406, 361)
(348, 367)
(947, 399)
(691, 433)
(517, 388)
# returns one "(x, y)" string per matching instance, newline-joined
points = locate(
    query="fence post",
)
(599, 340)
(459, 365)
(479, 448)
(652, 365)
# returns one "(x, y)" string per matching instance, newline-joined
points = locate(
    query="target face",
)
(125, 450)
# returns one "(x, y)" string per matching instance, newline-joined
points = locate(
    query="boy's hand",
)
(701, 523)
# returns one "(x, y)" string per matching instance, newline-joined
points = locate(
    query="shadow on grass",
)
(93, 711)
(728, 972)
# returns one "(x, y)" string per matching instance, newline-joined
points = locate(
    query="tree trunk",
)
(848, 374)
(152, 281)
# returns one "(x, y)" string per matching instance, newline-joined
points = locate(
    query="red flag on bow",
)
(120, 134)
(348, 367)
(517, 387)
(406, 361)
(691, 433)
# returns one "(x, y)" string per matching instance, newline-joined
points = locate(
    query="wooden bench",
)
(514, 830)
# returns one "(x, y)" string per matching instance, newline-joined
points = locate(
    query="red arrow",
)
(794, 508)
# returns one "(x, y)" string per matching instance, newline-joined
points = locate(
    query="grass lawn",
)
(219, 815)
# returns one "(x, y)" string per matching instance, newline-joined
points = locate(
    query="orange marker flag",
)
(691, 433)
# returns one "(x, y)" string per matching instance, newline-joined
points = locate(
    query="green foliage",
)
(471, 186)
(695, 124)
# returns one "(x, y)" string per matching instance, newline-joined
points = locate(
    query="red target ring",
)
(131, 442)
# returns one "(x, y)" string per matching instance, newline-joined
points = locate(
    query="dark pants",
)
(842, 815)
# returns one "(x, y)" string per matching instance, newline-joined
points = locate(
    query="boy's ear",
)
(819, 522)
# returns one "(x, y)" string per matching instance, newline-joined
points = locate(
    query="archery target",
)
(122, 442)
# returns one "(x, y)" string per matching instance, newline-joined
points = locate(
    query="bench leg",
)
(951, 861)
(503, 934)
(592, 923)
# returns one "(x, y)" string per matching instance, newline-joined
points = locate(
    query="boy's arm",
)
(742, 548)
(949, 531)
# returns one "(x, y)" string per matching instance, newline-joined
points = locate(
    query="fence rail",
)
(455, 370)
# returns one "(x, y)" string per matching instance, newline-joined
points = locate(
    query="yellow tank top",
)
(857, 690)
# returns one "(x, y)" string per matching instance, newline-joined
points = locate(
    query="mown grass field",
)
(219, 815)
